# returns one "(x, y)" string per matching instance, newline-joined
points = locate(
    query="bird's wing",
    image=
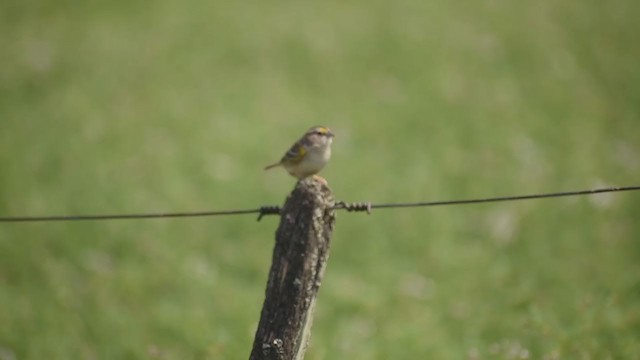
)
(295, 154)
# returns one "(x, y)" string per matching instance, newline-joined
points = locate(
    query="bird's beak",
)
(330, 133)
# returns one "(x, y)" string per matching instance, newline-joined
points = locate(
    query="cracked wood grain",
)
(299, 259)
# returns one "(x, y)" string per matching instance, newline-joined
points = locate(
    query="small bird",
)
(309, 154)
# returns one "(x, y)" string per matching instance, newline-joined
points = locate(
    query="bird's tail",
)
(272, 166)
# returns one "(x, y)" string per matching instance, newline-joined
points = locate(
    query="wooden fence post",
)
(299, 258)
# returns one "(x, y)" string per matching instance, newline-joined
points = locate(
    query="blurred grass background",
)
(131, 106)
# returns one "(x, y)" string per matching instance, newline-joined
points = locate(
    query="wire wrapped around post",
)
(361, 206)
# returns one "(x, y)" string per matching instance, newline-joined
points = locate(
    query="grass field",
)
(131, 106)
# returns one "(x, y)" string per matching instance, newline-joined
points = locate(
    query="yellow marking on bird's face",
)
(320, 130)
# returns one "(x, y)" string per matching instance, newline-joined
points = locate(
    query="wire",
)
(274, 210)
(125, 216)
(507, 198)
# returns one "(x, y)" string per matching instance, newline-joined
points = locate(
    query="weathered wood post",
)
(299, 259)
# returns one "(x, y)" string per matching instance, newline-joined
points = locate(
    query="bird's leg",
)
(320, 179)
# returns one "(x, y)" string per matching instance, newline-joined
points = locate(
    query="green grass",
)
(119, 107)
